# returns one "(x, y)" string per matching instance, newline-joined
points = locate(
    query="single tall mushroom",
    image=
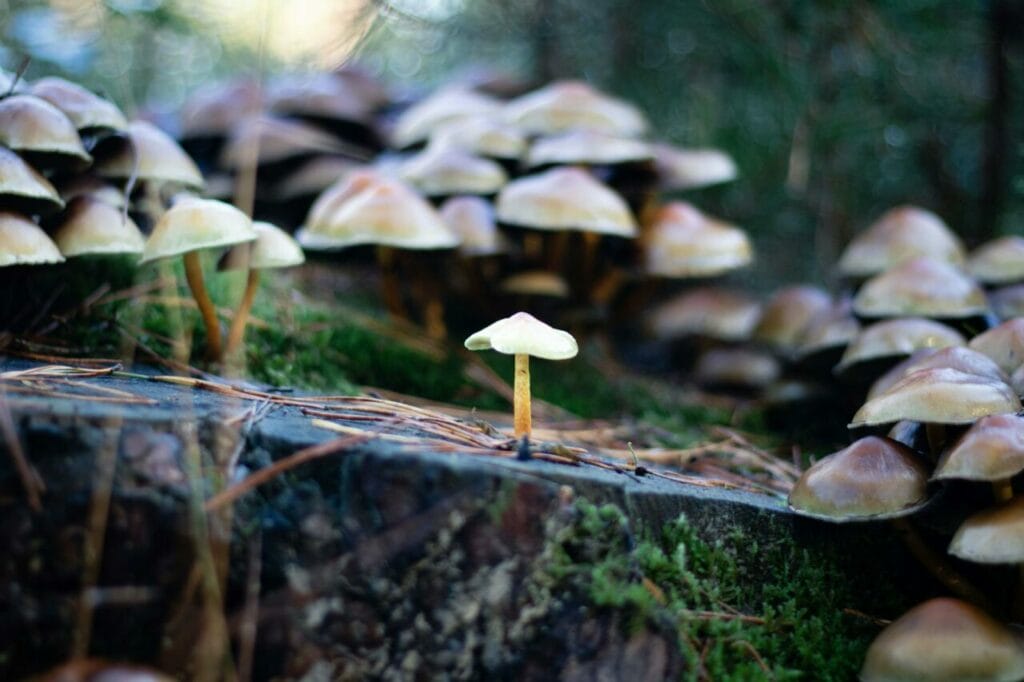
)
(523, 335)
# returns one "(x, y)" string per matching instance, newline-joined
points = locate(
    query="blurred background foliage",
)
(833, 110)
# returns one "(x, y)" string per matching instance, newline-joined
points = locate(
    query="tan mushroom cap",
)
(944, 640)
(787, 313)
(900, 234)
(681, 241)
(417, 122)
(86, 110)
(315, 175)
(86, 184)
(367, 208)
(31, 124)
(1004, 344)
(472, 219)
(274, 248)
(999, 261)
(707, 311)
(874, 478)
(22, 186)
(22, 242)
(91, 226)
(213, 110)
(565, 199)
(567, 105)
(921, 287)
(277, 139)
(587, 147)
(449, 171)
(678, 168)
(535, 283)
(991, 450)
(831, 329)
(158, 157)
(192, 224)
(938, 396)
(992, 536)
(524, 334)
(1007, 302)
(736, 367)
(483, 135)
(902, 336)
(953, 357)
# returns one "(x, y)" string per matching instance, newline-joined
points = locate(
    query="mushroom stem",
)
(533, 247)
(237, 331)
(521, 396)
(937, 565)
(591, 244)
(194, 275)
(389, 284)
(433, 318)
(1003, 490)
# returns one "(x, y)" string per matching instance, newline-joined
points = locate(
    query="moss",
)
(739, 610)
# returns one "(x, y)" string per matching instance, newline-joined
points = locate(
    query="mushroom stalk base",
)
(937, 565)
(194, 275)
(237, 332)
(521, 397)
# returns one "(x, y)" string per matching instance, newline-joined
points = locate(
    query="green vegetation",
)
(740, 610)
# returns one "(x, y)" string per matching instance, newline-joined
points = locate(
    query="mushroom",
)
(148, 153)
(523, 335)
(678, 168)
(484, 135)
(23, 188)
(587, 148)
(736, 370)
(90, 113)
(881, 345)
(281, 145)
(41, 134)
(22, 242)
(188, 227)
(952, 357)
(331, 103)
(826, 337)
(714, 313)
(945, 640)
(481, 247)
(681, 241)
(418, 122)
(567, 105)
(440, 172)
(1007, 302)
(91, 226)
(921, 287)
(991, 450)
(899, 235)
(786, 315)
(273, 248)
(1004, 344)
(998, 262)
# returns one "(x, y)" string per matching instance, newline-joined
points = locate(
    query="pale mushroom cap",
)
(22, 242)
(449, 104)
(565, 199)
(368, 208)
(90, 185)
(716, 313)
(483, 135)
(277, 139)
(587, 147)
(832, 329)
(938, 396)
(1004, 344)
(472, 219)
(991, 450)
(85, 109)
(321, 95)
(874, 478)
(213, 111)
(787, 313)
(902, 336)
(450, 171)
(159, 158)
(93, 226)
(922, 287)
(524, 334)
(952, 357)
(999, 261)
(31, 124)
(568, 105)
(678, 168)
(944, 640)
(736, 367)
(1007, 302)
(315, 175)
(901, 234)
(18, 180)
(193, 224)
(535, 283)
(681, 241)
(992, 536)
(273, 248)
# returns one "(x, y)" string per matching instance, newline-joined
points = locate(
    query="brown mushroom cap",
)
(679, 168)
(992, 536)
(450, 171)
(708, 311)
(535, 283)
(874, 478)
(999, 261)
(944, 640)
(419, 121)
(569, 105)
(86, 110)
(150, 154)
(901, 234)
(472, 219)
(902, 336)
(787, 313)
(587, 147)
(736, 367)
(991, 450)
(22, 242)
(953, 357)
(22, 188)
(565, 199)
(32, 126)
(921, 287)
(1004, 344)
(91, 226)
(938, 396)
(681, 241)
(830, 330)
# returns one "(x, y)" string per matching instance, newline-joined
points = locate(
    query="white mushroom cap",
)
(193, 224)
(93, 226)
(151, 153)
(992, 536)
(921, 286)
(524, 334)
(587, 147)
(445, 171)
(535, 283)
(19, 182)
(1004, 344)
(273, 248)
(417, 122)
(714, 312)
(483, 135)
(85, 109)
(902, 336)
(678, 168)
(472, 219)
(999, 261)
(568, 105)
(22, 242)
(900, 234)
(953, 357)
(682, 241)
(991, 450)
(30, 124)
